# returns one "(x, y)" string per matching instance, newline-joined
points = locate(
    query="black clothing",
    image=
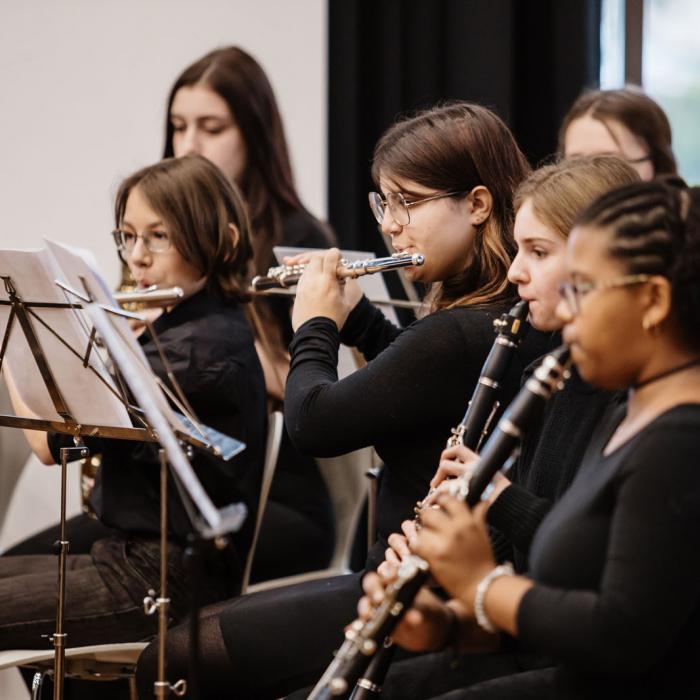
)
(550, 456)
(404, 402)
(209, 347)
(549, 459)
(617, 566)
(297, 532)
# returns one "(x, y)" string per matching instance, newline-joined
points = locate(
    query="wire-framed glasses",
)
(572, 292)
(397, 205)
(153, 241)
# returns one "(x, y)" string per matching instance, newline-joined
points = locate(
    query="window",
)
(670, 67)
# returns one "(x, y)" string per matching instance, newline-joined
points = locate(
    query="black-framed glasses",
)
(153, 241)
(573, 292)
(397, 205)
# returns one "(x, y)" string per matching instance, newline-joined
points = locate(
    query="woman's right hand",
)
(425, 626)
(398, 548)
(320, 292)
(454, 462)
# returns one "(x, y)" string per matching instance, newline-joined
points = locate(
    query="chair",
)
(275, 426)
(347, 486)
(116, 661)
(103, 662)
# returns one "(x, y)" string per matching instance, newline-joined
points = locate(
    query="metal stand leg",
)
(68, 454)
(161, 688)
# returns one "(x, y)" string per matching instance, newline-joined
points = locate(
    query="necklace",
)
(666, 373)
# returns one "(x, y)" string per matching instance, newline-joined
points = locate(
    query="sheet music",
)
(76, 267)
(86, 393)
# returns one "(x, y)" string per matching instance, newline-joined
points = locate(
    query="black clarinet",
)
(510, 328)
(362, 639)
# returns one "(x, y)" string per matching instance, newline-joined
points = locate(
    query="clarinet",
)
(363, 638)
(510, 328)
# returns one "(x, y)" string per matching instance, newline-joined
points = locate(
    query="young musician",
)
(612, 591)
(223, 108)
(547, 204)
(178, 223)
(446, 179)
(624, 122)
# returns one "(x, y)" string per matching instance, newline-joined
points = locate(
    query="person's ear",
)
(235, 234)
(656, 299)
(481, 201)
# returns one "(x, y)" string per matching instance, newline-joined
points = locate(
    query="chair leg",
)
(133, 695)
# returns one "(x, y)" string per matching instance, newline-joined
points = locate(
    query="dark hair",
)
(454, 148)
(655, 230)
(197, 204)
(267, 183)
(637, 112)
(560, 191)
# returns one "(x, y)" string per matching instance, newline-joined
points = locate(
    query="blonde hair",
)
(561, 191)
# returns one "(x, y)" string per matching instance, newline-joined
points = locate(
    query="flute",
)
(151, 296)
(288, 275)
(511, 328)
(363, 638)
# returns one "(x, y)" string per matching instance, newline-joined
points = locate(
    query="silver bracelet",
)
(482, 618)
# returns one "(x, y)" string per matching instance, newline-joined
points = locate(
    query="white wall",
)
(83, 85)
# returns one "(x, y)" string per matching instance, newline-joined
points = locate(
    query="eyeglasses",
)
(573, 292)
(398, 206)
(153, 241)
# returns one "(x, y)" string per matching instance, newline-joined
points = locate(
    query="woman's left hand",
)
(455, 542)
(320, 292)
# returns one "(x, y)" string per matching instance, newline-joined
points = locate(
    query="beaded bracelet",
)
(482, 618)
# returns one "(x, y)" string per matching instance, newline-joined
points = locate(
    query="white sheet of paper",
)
(88, 399)
(74, 265)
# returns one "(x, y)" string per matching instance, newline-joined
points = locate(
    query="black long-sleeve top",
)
(550, 457)
(617, 566)
(404, 402)
(209, 345)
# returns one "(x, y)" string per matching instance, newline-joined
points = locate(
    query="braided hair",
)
(654, 229)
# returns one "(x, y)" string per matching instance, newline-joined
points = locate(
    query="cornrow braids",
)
(654, 229)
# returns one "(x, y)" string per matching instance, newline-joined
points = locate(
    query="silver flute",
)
(288, 275)
(152, 295)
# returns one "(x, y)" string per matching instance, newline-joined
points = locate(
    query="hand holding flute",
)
(321, 293)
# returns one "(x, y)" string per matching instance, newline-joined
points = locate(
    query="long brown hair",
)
(197, 204)
(637, 112)
(267, 183)
(454, 148)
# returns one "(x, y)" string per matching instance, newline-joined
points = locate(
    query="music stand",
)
(34, 269)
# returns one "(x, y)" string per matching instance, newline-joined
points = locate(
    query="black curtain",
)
(526, 59)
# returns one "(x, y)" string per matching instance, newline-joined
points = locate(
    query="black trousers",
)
(262, 645)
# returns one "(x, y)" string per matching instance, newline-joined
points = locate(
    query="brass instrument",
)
(285, 276)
